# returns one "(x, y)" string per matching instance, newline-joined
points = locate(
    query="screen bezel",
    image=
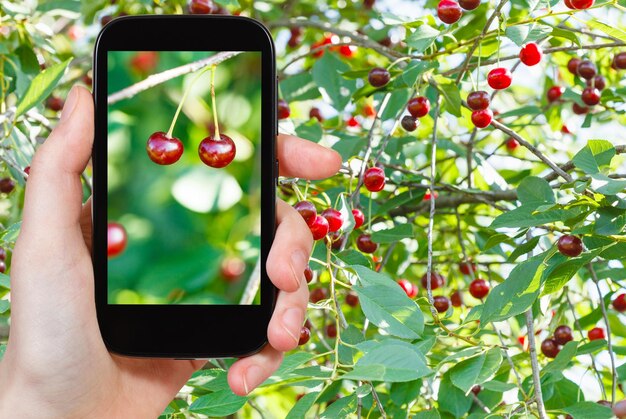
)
(184, 331)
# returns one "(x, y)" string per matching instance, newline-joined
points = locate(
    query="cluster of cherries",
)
(418, 107)
(595, 83)
(449, 11)
(3, 258)
(328, 223)
(165, 150)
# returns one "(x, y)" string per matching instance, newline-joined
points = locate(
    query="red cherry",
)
(499, 78)
(55, 103)
(369, 111)
(334, 218)
(587, 70)
(436, 281)
(449, 11)
(27, 170)
(565, 130)
(456, 299)
(512, 144)
(328, 40)
(554, 93)
(308, 274)
(619, 303)
(409, 288)
(352, 299)
(116, 239)
(365, 244)
(409, 123)
(478, 100)
(317, 295)
(568, 4)
(164, 150)
(596, 333)
(441, 303)
(7, 185)
(590, 96)
(619, 61)
(570, 246)
(368, 4)
(581, 4)
(352, 122)
(305, 335)
(283, 109)
(531, 54)
(427, 195)
(331, 330)
(201, 7)
(476, 390)
(296, 34)
(307, 211)
(316, 113)
(319, 227)
(378, 76)
(144, 61)
(232, 268)
(599, 82)
(563, 334)
(572, 65)
(374, 179)
(550, 348)
(336, 240)
(3, 254)
(217, 153)
(418, 106)
(347, 51)
(3, 266)
(482, 119)
(469, 4)
(479, 288)
(465, 268)
(359, 217)
(579, 110)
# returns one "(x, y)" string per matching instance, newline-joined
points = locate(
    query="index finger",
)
(305, 159)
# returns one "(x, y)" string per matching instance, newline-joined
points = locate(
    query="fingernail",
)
(252, 378)
(70, 104)
(292, 320)
(298, 263)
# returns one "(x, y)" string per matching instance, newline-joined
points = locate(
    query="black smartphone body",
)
(184, 176)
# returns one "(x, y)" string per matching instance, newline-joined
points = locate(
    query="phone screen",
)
(183, 177)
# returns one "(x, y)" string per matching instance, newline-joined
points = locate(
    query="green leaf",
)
(422, 38)
(354, 257)
(299, 87)
(230, 3)
(332, 85)
(452, 399)
(3, 349)
(522, 34)
(394, 234)
(517, 293)
(4, 306)
(41, 86)
(595, 154)
(562, 360)
(610, 221)
(523, 249)
(311, 130)
(562, 273)
(341, 408)
(396, 104)
(302, 406)
(415, 69)
(5, 281)
(611, 30)
(586, 410)
(426, 414)
(213, 379)
(525, 216)
(450, 91)
(389, 362)
(220, 403)
(475, 370)
(535, 191)
(498, 386)
(411, 196)
(569, 35)
(606, 185)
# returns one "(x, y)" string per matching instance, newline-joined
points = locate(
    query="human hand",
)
(56, 363)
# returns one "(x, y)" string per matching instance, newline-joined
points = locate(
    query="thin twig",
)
(431, 218)
(541, 409)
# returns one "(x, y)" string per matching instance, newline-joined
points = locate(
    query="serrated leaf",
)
(341, 408)
(422, 38)
(611, 30)
(299, 87)
(41, 86)
(475, 370)
(332, 85)
(595, 154)
(586, 410)
(302, 406)
(560, 276)
(534, 190)
(220, 403)
(389, 362)
(394, 234)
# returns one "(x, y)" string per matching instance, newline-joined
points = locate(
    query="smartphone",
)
(184, 183)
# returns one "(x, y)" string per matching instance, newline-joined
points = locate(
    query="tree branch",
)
(541, 409)
(162, 77)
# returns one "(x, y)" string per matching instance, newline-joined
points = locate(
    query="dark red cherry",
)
(449, 11)
(296, 37)
(378, 76)
(317, 295)
(482, 119)
(319, 227)
(3, 254)
(3, 267)
(599, 82)
(436, 281)
(590, 96)
(55, 103)
(334, 218)
(479, 288)
(596, 333)
(499, 78)
(308, 274)
(283, 109)
(469, 4)
(116, 239)
(409, 288)
(554, 93)
(478, 100)
(550, 348)
(570, 246)
(531, 54)
(587, 70)
(316, 113)
(465, 268)
(305, 335)
(352, 299)
(418, 106)
(619, 61)
(7, 185)
(365, 244)
(572, 65)
(336, 239)
(359, 217)
(476, 390)
(201, 7)
(579, 110)
(331, 330)
(374, 179)
(164, 150)
(563, 334)
(619, 303)
(307, 211)
(456, 299)
(441, 303)
(512, 144)
(409, 123)
(217, 153)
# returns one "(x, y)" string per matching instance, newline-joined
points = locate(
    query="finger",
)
(291, 249)
(306, 159)
(248, 373)
(283, 332)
